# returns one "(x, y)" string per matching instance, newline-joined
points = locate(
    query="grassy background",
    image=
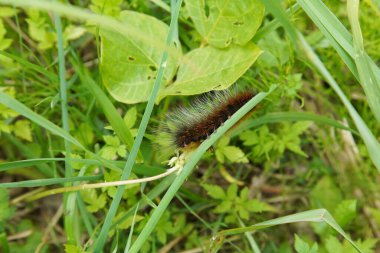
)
(309, 153)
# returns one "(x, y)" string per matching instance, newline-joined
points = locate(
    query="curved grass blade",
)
(317, 215)
(277, 117)
(373, 146)
(49, 181)
(367, 76)
(348, 47)
(369, 139)
(52, 76)
(15, 105)
(28, 153)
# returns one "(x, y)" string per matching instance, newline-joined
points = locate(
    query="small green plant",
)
(235, 204)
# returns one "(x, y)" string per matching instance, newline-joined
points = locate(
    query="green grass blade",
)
(26, 163)
(139, 169)
(275, 7)
(143, 202)
(128, 245)
(188, 168)
(27, 113)
(255, 248)
(273, 25)
(369, 139)
(278, 117)
(28, 153)
(28, 65)
(99, 243)
(49, 181)
(69, 198)
(367, 76)
(333, 27)
(87, 218)
(112, 115)
(342, 41)
(317, 215)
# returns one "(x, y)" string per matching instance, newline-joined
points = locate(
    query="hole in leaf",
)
(153, 68)
(239, 23)
(207, 9)
(131, 58)
(174, 78)
(228, 41)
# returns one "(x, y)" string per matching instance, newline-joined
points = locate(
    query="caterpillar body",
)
(186, 127)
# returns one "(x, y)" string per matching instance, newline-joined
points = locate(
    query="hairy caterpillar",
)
(186, 127)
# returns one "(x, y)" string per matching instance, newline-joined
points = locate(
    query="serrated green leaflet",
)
(209, 68)
(222, 23)
(129, 65)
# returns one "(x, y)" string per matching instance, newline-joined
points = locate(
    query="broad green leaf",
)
(209, 68)
(225, 22)
(129, 64)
